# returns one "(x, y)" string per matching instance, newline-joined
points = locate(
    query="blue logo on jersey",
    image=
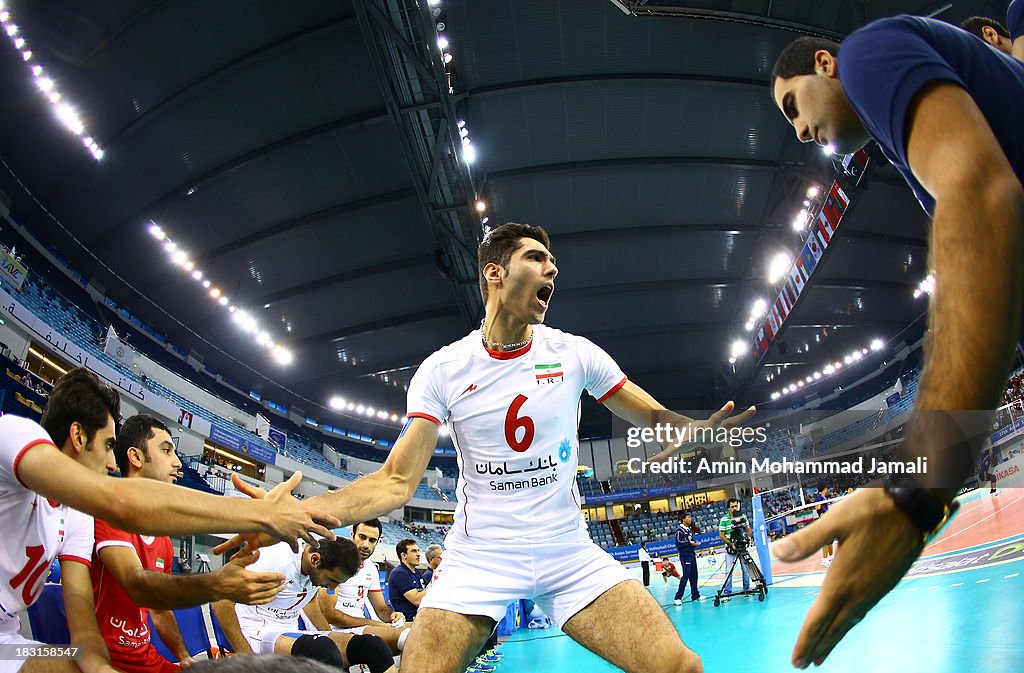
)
(565, 451)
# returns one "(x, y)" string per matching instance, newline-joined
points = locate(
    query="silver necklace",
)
(500, 346)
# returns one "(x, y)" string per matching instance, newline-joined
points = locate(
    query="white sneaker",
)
(677, 602)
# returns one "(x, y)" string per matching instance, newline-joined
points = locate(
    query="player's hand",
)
(877, 545)
(288, 519)
(234, 583)
(719, 419)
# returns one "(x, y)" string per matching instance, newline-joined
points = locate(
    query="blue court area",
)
(946, 622)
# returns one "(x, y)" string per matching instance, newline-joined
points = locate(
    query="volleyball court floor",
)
(961, 608)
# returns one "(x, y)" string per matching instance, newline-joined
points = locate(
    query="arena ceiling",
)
(286, 147)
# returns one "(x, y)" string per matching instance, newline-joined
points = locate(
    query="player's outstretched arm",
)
(978, 259)
(374, 495)
(634, 404)
(162, 591)
(153, 508)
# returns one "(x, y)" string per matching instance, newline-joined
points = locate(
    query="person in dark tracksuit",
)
(686, 544)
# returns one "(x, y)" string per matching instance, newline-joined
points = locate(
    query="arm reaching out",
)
(153, 508)
(376, 494)
(632, 403)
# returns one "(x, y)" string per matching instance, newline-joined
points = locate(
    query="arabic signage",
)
(59, 343)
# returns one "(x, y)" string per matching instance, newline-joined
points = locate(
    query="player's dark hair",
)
(403, 546)
(974, 26)
(499, 245)
(339, 554)
(798, 58)
(79, 396)
(731, 501)
(136, 431)
(371, 523)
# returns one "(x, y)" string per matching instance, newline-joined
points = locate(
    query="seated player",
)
(37, 530)
(274, 628)
(668, 569)
(133, 572)
(346, 608)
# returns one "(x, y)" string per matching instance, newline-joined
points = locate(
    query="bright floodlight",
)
(480, 206)
(282, 355)
(778, 267)
(336, 403)
(829, 149)
(156, 232)
(739, 348)
(813, 192)
(877, 344)
(442, 42)
(215, 292)
(469, 154)
(197, 274)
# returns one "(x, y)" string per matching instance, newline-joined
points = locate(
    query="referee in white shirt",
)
(645, 563)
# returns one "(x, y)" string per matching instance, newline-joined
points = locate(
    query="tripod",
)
(758, 586)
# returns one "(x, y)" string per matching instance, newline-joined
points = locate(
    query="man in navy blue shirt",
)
(406, 587)
(945, 109)
(685, 545)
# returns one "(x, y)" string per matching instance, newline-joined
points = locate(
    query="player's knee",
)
(370, 651)
(689, 663)
(318, 648)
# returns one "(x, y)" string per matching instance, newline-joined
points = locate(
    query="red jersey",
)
(124, 625)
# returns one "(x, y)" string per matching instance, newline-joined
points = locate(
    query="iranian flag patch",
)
(548, 373)
(159, 564)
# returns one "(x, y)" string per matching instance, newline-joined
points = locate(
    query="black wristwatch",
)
(925, 511)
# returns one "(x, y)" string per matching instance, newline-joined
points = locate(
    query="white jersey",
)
(36, 530)
(286, 607)
(353, 594)
(513, 417)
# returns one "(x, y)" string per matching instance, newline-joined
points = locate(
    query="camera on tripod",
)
(738, 538)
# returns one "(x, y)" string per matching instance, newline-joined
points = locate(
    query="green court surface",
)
(950, 622)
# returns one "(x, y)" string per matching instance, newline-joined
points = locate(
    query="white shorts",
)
(563, 575)
(262, 640)
(15, 638)
(355, 630)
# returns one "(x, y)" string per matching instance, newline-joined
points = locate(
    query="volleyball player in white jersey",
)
(510, 395)
(273, 628)
(352, 606)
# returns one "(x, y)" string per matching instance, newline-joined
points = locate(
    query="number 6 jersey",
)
(35, 530)
(513, 417)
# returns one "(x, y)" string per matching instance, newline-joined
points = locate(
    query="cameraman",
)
(735, 531)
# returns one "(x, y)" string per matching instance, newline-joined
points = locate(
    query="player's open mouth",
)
(544, 294)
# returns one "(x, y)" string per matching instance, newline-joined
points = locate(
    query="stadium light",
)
(778, 267)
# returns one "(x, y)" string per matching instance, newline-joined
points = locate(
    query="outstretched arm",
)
(632, 403)
(153, 508)
(978, 258)
(376, 494)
